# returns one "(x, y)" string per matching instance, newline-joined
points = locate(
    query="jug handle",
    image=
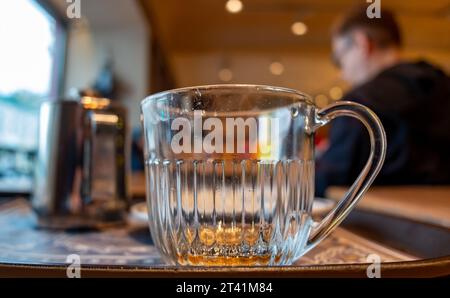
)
(373, 166)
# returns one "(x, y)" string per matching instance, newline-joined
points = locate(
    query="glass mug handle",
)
(366, 177)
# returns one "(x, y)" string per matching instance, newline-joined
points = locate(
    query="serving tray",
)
(128, 251)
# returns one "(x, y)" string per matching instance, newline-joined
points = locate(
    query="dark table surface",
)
(130, 245)
(128, 251)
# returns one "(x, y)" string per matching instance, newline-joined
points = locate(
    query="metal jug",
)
(82, 164)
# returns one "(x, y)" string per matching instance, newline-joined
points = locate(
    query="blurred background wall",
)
(207, 44)
(113, 30)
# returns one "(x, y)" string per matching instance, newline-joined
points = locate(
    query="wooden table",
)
(427, 204)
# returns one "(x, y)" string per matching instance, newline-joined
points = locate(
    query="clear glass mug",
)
(230, 173)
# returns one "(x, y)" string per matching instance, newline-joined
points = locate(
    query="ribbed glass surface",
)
(230, 212)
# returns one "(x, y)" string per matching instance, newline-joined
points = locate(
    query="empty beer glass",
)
(230, 173)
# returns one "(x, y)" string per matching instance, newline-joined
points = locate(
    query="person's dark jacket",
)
(413, 103)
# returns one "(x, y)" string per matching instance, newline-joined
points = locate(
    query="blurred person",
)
(412, 100)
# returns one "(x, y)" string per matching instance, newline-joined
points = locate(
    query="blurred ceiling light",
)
(299, 28)
(336, 93)
(276, 68)
(321, 100)
(234, 6)
(225, 75)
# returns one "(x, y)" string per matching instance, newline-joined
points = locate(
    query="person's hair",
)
(383, 31)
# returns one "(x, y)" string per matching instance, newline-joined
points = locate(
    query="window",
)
(30, 43)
